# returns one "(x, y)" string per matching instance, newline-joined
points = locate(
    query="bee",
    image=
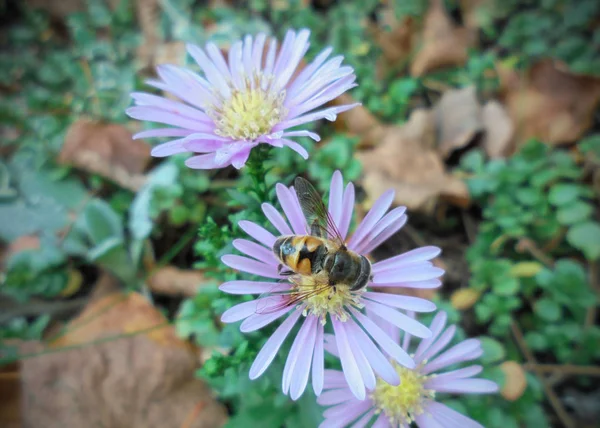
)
(320, 257)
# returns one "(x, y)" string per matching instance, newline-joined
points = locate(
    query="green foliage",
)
(538, 227)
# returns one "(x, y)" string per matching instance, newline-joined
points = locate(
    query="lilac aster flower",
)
(243, 101)
(363, 344)
(415, 398)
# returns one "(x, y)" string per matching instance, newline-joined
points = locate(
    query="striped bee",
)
(320, 258)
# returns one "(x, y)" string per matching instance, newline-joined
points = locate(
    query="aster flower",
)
(363, 345)
(414, 400)
(252, 98)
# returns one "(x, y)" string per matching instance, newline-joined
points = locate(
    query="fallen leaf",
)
(107, 150)
(443, 43)
(499, 130)
(548, 103)
(359, 121)
(515, 380)
(458, 117)
(10, 397)
(526, 269)
(119, 364)
(406, 161)
(396, 42)
(464, 298)
(174, 281)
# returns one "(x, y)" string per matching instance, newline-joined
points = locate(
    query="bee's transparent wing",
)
(316, 213)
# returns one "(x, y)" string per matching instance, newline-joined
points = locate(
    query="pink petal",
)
(389, 225)
(318, 365)
(303, 363)
(363, 422)
(343, 414)
(203, 162)
(239, 312)
(271, 347)
(428, 284)
(450, 418)
(416, 255)
(163, 132)
(294, 216)
(458, 374)
(336, 194)
(257, 321)
(347, 210)
(349, 365)
(373, 216)
(375, 357)
(382, 421)
(334, 379)
(295, 147)
(245, 264)
(258, 232)
(463, 386)
(300, 342)
(169, 148)
(255, 251)
(408, 275)
(253, 287)
(399, 319)
(276, 219)
(366, 371)
(388, 345)
(437, 345)
(335, 396)
(409, 303)
(453, 355)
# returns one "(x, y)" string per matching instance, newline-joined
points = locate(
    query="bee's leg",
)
(282, 272)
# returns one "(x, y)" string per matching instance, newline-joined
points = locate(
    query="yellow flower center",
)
(331, 300)
(404, 402)
(250, 112)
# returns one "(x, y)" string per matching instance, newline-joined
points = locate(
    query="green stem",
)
(257, 170)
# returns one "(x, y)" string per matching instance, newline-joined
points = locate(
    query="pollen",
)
(249, 112)
(402, 403)
(331, 300)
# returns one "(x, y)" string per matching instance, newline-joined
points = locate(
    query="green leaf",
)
(506, 286)
(547, 309)
(586, 237)
(574, 213)
(562, 194)
(493, 350)
(102, 222)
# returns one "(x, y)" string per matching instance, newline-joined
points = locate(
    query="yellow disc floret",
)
(402, 403)
(250, 112)
(329, 300)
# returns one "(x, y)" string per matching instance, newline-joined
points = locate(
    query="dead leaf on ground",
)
(359, 121)
(443, 44)
(406, 161)
(145, 378)
(396, 43)
(458, 117)
(464, 298)
(10, 397)
(176, 282)
(107, 150)
(515, 381)
(497, 140)
(549, 104)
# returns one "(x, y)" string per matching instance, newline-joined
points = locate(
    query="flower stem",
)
(257, 170)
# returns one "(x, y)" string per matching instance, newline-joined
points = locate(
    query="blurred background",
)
(481, 114)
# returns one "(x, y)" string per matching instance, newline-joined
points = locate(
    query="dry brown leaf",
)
(359, 121)
(396, 44)
(549, 104)
(145, 378)
(476, 13)
(458, 117)
(499, 130)
(10, 397)
(174, 281)
(515, 381)
(464, 298)
(443, 43)
(406, 162)
(107, 150)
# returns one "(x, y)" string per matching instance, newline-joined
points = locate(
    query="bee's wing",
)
(316, 212)
(278, 299)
